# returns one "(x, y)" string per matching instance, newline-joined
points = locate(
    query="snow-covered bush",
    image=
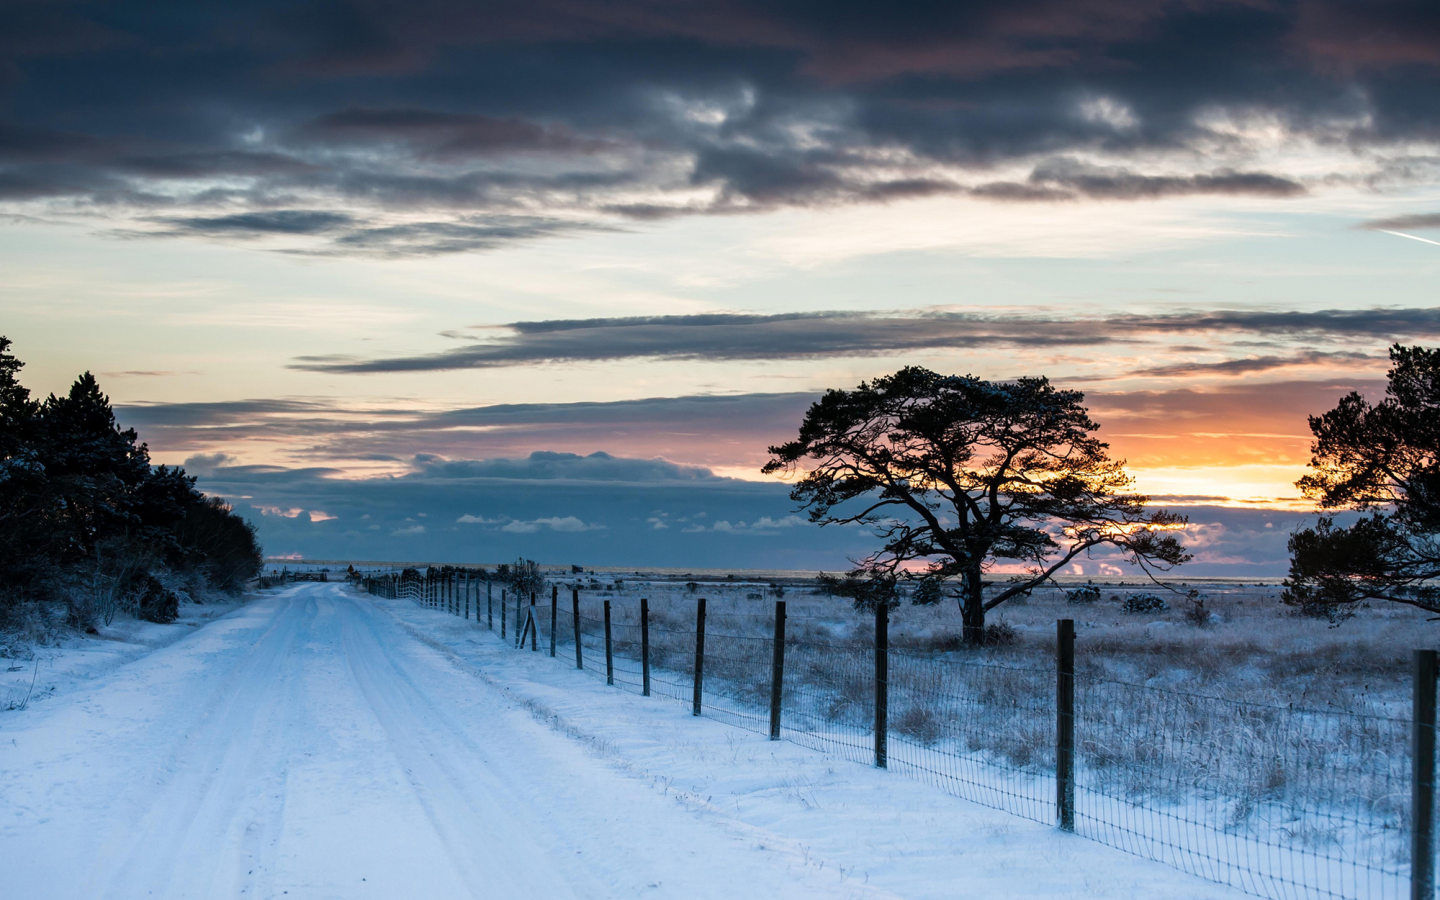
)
(1144, 603)
(1088, 593)
(155, 602)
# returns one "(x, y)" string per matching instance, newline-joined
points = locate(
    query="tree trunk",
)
(972, 612)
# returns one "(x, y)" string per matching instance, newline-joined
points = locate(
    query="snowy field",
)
(320, 743)
(1257, 748)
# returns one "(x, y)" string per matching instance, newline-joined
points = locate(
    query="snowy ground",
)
(46, 670)
(319, 743)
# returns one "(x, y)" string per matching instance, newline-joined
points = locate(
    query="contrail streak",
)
(1410, 236)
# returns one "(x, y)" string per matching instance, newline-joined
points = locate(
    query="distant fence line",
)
(1278, 802)
(285, 576)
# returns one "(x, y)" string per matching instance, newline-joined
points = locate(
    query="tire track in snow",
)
(211, 776)
(459, 783)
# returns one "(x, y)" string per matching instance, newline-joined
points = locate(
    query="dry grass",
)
(1262, 723)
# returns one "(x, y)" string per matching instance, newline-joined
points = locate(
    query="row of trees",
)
(956, 474)
(86, 521)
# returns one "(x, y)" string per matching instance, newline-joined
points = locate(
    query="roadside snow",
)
(80, 659)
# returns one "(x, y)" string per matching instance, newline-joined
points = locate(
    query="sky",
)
(390, 276)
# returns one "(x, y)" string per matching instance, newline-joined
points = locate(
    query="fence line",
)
(1278, 802)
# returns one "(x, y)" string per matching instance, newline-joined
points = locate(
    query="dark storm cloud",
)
(726, 336)
(1403, 223)
(764, 177)
(19, 144)
(720, 337)
(548, 465)
(276, 475)
(280, 221)
(442, 134)
(210, 164)
(429, 238)
(678, 427)
(1373, 322)
(33, 185)
(1253, 364)
(348, 236)
(65, 162)
(219, 412)
(558, 109)
(1067, 179)
(1245, 404)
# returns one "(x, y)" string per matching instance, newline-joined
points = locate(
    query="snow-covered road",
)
(313, 745)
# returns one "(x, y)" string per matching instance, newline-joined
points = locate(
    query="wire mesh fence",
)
(1277, 801)
(980, 731)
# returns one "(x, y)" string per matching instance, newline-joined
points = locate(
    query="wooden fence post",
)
(644, 647)
(575, 603)
(518, 636)
(882, 681)
(502, 614)
(609, 654)
(699, 654)
(489, 605)
(777, 670)
(1422, 780)
(1065, 723)
(534, 626)
(554, 608)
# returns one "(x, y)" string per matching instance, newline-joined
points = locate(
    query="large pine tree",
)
(96, 469)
